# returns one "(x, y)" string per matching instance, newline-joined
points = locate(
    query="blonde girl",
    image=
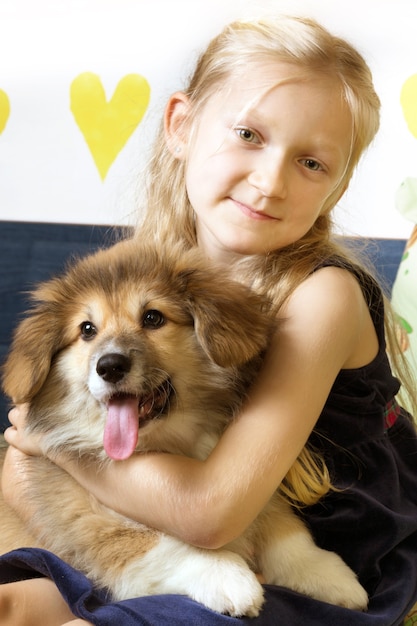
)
(252, 157)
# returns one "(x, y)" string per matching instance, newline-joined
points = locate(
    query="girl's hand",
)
(18, 436)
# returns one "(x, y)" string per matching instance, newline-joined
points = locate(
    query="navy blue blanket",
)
(282, 607)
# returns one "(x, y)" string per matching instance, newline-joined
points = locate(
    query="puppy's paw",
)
(339, 585)
(329, 579)
(227, 585)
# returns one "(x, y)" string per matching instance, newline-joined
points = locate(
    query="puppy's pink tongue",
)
(122, 427)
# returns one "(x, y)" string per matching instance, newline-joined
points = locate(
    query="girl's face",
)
(264, 157)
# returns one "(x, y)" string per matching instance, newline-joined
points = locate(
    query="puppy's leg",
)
(289, 557)
(13, 533)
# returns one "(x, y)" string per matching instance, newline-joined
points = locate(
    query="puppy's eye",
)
(88, 330)
(153, 319)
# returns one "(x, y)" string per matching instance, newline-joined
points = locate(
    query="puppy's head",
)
(124, 324)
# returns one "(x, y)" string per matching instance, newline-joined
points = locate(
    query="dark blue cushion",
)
(385, 255)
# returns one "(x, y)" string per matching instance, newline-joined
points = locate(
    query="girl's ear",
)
(175, 124)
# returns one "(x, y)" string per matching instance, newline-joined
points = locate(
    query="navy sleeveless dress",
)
(370, 446)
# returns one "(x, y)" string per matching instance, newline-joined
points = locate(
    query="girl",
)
(251, 159)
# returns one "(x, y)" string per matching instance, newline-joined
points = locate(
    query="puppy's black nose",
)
(112, 367)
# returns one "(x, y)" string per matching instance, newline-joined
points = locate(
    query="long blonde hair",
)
(169, 216)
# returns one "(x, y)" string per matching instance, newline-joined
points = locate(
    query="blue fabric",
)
(282, 607)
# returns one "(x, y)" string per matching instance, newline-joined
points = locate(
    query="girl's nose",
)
(270, 177)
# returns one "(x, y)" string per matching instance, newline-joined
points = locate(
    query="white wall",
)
(47, 172)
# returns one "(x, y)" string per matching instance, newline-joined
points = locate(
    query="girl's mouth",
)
(251, 212)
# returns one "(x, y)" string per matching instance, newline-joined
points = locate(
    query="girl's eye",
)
(247, 135)
(312, 165)
(88, 331)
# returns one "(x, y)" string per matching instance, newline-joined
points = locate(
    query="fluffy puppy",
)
(133, 350)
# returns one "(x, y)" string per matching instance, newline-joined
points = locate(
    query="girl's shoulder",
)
(369, 286)
(368, 283)
(332, 309)
(338, 281)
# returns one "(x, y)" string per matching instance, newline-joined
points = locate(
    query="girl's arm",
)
(325, 327)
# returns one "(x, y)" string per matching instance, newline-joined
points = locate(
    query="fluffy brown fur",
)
(128, 332)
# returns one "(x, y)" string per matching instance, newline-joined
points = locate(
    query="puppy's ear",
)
(232, 323)
(36, 340)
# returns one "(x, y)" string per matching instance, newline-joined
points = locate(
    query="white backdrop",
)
(48, 172)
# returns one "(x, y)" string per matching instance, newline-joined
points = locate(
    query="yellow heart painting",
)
(4, 110)
(409, 103)
(107, 125)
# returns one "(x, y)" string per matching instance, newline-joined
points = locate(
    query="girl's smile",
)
(264, 158)
(253, 213)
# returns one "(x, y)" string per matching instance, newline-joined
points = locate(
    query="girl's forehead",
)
(258, 80)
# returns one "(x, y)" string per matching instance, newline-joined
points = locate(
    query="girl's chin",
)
(234, 241)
